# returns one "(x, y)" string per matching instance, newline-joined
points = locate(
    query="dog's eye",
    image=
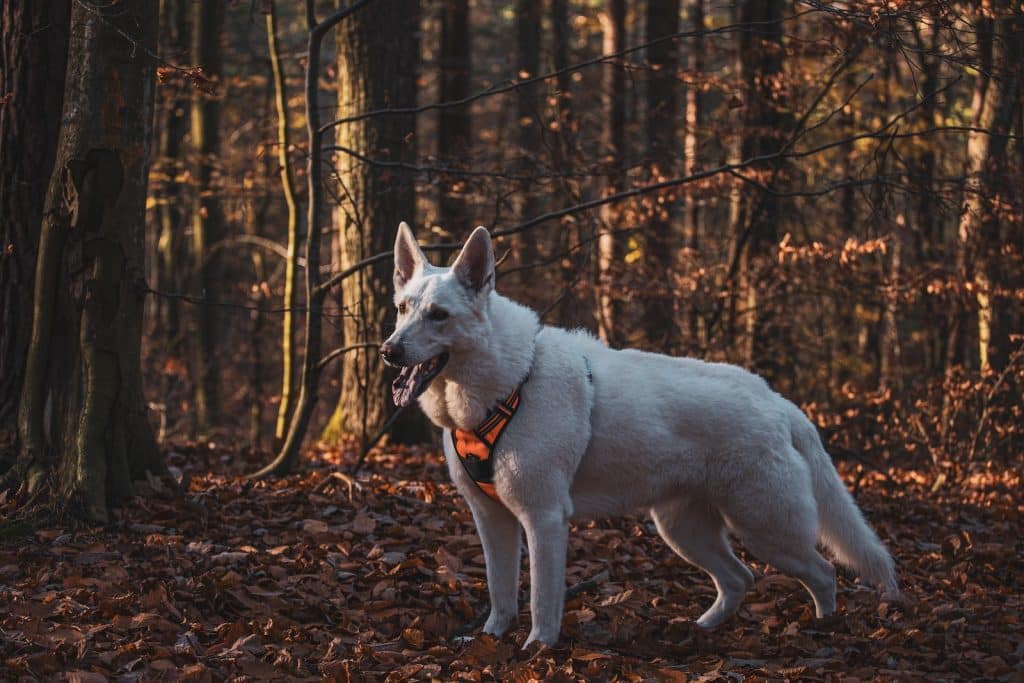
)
(402, 308)
(438, 314)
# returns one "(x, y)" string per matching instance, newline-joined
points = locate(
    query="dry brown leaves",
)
(273, 580)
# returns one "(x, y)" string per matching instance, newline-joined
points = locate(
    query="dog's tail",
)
(843, 529)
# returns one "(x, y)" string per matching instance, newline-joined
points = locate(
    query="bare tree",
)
(289, 322)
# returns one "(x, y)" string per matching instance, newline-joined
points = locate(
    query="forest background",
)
(198, 199)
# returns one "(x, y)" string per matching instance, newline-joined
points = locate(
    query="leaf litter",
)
(307, 578)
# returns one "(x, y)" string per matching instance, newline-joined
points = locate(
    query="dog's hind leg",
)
(783, 531)
(500, 536)
(791, 549)
(696, 532)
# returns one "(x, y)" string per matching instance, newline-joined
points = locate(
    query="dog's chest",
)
(449, 406)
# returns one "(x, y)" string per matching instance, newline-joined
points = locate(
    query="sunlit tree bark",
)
(378, 52)
(611, 248)
(289, 320)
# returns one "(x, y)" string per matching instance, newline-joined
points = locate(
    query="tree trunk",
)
(661, 244)
(33, 54)
(987, 185)
(378, 52)
(175, 46)
(289, 321)
(756, 222)
(454, 130)
(693, 118)
(82, 412)
(207, 219)
(611, 247)
(528, 127)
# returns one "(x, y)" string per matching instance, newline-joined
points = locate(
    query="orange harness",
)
(475, 447)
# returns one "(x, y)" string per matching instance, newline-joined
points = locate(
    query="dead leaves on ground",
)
(293, 580)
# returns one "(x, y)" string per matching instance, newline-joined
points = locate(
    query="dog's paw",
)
(498, 624)
(537, 636)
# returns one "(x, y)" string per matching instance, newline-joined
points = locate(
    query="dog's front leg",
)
(547, 533)
(500, 536)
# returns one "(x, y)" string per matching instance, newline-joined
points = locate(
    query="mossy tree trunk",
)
(82, 415)
(378, 52)
(33, 54)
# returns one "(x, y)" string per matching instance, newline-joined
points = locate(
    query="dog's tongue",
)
(412, 380)
(408, 385)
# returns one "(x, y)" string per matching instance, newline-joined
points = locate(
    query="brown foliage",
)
(292, 579)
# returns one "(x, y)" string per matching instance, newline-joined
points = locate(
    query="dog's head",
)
(441, 311)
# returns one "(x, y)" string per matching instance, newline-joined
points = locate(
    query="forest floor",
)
(294, 579)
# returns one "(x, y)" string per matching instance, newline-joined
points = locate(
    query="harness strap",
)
(475, 447)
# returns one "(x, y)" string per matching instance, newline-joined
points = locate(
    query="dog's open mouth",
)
(413, 380)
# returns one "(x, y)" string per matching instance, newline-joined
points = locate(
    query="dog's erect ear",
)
(475, 265)
(408, 256)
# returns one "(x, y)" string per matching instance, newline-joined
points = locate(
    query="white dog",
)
(588, 431)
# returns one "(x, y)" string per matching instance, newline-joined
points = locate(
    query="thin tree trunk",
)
(316, 292)
(289, 321)
(691, 160)
(760, 64)
(90, 271)
(661, 242)
(528, 127)
(611, 248)
(565, 150)
(454, 129)
(174, 14)
(207, 219)
(33, 54)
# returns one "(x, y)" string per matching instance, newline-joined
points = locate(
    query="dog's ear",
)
(475, 265)
(408, 256)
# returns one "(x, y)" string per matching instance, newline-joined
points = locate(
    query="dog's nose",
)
(392, 353)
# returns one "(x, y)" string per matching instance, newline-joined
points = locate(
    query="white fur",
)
(706, 448)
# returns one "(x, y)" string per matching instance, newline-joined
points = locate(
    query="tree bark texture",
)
(33, 54)
(454, 130)
(755, 224)
(378, 52)
(82, 411)
(610, 246)
(981, 227)
(662, 240)
(175, 109)
(207, 218)
(528, 128)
